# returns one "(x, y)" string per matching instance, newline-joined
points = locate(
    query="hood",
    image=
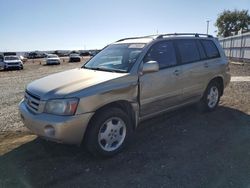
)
(65, 83)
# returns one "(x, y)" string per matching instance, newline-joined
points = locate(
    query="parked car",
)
(74, 57)
(86, 53)
(131, 80)
(11, 62)
(35, 55)
(9, 54)
(23, 59)
(53, 59)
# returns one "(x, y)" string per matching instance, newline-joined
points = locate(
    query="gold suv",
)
(101, 103)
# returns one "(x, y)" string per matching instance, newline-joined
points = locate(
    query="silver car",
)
(133, 79)
(52, 59)
(74, 57)
(11, 62)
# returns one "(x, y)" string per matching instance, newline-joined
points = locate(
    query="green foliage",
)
(232, 21)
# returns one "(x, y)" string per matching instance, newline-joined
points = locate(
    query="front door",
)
(160, 90)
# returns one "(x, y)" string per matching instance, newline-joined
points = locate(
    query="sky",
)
(28, 25)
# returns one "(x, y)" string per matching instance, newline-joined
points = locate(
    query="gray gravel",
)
(240, 69)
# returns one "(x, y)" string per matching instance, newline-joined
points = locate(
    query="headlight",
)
(66, 107)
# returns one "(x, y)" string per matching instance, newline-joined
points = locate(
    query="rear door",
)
(212, 60)
(194, 68)
(160, 90)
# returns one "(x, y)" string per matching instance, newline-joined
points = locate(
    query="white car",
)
(53, 59)
(11, 62)
(74, 57)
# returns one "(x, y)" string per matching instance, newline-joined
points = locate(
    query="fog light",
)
(49, 130)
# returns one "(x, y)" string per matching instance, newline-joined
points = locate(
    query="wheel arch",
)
(124, 105)
(219, 80)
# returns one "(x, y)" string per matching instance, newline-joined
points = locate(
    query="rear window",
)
(210, 49)
(188, 51)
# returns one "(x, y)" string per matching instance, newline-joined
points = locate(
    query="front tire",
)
(108, 132)
(211, 97)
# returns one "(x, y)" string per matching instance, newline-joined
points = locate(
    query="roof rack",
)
(161, 36)
(184, 34)
(149, 36)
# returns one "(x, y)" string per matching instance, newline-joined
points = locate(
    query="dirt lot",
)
(180, 149)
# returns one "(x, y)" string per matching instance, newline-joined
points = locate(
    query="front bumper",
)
(9, 66)
(62, 129)
(52, 62)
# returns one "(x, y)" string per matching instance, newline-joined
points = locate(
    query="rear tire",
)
(108, 132)
(211, 97)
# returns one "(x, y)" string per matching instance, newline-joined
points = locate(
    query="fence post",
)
(230, 48)
(241, 48)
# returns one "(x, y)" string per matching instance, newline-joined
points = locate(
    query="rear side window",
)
(188, 51)
(163, 53)
(210, 49)
(201, 50)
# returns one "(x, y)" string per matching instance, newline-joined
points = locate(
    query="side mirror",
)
(150, 66)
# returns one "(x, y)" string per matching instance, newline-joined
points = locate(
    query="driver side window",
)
(162, 52)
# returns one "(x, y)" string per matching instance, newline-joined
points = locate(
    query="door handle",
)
(206, 65)
(176, 72)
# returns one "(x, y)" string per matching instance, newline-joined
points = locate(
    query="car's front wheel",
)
(108, 132)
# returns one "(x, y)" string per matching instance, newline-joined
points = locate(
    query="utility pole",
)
(208, 26)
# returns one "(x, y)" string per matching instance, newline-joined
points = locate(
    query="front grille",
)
(32, 101)
(13, 63)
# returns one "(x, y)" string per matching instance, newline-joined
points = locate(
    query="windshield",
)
(74, 54)
(10, 58)
(116, 57)
(52, 56)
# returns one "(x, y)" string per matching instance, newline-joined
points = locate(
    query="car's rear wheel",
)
(108, 132)
(211, 97)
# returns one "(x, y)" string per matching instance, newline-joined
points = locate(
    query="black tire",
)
(205, 105)
(91, 140)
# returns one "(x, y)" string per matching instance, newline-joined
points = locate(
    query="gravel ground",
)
(179, 149)
(240, 69)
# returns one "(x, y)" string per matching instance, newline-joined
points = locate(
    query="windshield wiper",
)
(105, 69)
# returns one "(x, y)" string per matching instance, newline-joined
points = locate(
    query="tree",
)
(229, 22)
